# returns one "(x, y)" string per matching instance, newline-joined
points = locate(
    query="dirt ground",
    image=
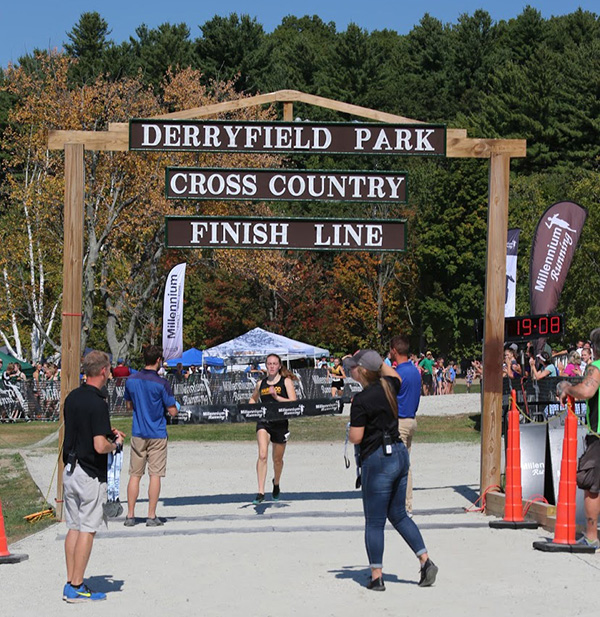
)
(219, 555)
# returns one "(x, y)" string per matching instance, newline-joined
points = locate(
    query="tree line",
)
(527, 77)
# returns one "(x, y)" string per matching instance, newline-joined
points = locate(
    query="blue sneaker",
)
(595, 544)
(82, 593)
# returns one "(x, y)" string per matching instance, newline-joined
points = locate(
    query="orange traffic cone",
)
(513, 502)
(5, 556)
(564, 529)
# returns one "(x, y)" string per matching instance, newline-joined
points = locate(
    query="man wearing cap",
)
(426, 365)
(588, 470)
(408, 397)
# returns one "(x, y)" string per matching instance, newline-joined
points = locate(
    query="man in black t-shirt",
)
(88, 440)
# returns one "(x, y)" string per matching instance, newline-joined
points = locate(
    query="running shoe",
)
(129, 521)
(376, 584)
(276, 491)
(260, 497)
(83, 593)
(428, 573)
(592, 543)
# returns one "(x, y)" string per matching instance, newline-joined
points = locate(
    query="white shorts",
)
(84, 498)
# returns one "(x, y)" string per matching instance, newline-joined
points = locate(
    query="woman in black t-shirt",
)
(277, 386)
(384, 463)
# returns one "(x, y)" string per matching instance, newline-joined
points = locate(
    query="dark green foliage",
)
(88, 45)
(159, 49)
(528, 77)
(228, 49)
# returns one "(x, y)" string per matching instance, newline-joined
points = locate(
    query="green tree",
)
(294, 54)
(88, 45)
(159, 49)
(227, 49)
(422, 72)
(475, 49)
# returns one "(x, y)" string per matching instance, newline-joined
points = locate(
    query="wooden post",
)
(495, 289)
(288, 112)
(72, 285)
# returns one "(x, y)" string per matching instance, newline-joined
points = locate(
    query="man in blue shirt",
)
(408, 399)
(149, 396)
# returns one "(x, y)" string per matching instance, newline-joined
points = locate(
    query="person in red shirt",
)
(121, 370)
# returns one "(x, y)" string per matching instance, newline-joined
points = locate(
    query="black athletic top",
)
(370, 408)
(86, 415)
(266, 397)
(279, 386)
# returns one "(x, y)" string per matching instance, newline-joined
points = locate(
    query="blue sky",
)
(29, 24)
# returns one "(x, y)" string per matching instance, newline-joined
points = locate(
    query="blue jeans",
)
(384, 481)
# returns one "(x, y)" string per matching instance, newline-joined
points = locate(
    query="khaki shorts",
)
(83, 498)
(153, 451)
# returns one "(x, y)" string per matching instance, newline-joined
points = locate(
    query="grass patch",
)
(22, 434)
(461, 388)
(445, 429)
(20, 497)
(432, 429)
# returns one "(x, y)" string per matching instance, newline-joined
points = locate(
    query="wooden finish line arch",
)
(458, 145)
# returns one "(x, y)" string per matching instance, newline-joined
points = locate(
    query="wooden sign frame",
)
(499, 152)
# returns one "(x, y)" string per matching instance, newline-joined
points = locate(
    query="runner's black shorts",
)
(338, 384)
(427, 379)
(278, 430)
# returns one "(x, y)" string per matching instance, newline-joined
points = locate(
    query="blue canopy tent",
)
(195, 357)
(258, 343)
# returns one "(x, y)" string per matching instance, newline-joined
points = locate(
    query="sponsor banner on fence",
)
(203, 398)
(245, 412)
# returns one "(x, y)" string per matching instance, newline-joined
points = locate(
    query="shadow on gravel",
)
(464, 490)
(476, 419)
(201, 500)
(104, 583)
(361, 576)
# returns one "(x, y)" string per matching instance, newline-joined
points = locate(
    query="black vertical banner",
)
(554, 243)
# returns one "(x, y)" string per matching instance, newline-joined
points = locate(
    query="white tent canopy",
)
(259, 343)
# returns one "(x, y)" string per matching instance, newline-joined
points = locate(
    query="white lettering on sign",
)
(348, 234)
(239, 233)
(295, 234)
(382, 140)
(235, 137)
(256, 184)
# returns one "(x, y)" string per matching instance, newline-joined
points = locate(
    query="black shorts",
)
(337, 383)
(427, 379)
(278, 430)
(588, 468)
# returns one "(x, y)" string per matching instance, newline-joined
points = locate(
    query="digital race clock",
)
(532, 327)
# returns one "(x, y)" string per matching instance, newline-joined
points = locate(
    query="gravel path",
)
(303, 555)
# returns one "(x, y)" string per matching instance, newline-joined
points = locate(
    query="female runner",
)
(337, 378)
(384, 463)
(277, 386)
